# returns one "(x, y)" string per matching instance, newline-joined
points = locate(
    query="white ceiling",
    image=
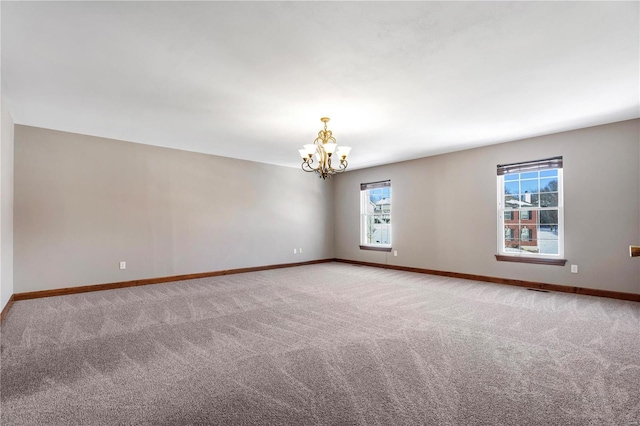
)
(251, 80)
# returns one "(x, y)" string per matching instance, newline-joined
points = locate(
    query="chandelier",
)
(317, 156)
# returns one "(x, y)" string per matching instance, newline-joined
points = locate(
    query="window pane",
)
(528, 242)
(525, 215)
(378, 194)
(547, 173)
(370, 229)
(529, 247)
(548, 217)
(549, 200)
(549, 185)
(529, 175)
(514, 176)
(530, 186)
(383, 205)
(511, 202)
(529, 200)
(548, 246)
(511, 187)
(382, 234)
(510, 232)
(526, 233)
(548, 232)
(512, 246)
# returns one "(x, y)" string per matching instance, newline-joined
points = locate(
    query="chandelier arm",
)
(308, 168)
(342, 167)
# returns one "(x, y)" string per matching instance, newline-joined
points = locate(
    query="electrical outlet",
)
(300, 250)
(395, 253)
(574, 269)
(123, 265)
(295, 251)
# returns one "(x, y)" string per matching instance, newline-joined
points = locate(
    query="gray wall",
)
(445, 213)
(83, 203)
(6, 208)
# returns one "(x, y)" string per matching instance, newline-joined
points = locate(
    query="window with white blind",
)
(375, 216)
(530, 210)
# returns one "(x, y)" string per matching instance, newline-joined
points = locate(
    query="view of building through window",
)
(375, 209)
(530, 210)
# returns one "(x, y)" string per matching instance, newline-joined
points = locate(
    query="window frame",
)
(364, 191)
(541, 258)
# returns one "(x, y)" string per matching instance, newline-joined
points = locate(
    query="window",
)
(375, 216)
(530, 210)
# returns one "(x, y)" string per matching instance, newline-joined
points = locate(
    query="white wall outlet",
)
(295, 251)
(300, 250)
(123, 265)
(574, 269)
(395, 253)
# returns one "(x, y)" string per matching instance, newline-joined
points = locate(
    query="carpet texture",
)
(326, 344)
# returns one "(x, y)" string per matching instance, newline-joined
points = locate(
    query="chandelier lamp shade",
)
(318, 156)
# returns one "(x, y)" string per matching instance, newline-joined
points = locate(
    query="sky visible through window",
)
(378, 194)
(532, 182)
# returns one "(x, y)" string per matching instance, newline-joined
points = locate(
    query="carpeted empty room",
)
(310, 213)
(323, 344)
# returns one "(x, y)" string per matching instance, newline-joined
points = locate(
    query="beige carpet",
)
(329, 344)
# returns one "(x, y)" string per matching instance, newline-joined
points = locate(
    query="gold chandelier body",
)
(317, 157)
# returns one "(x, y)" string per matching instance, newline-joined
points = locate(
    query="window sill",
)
(374, 248)
(536, 260)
